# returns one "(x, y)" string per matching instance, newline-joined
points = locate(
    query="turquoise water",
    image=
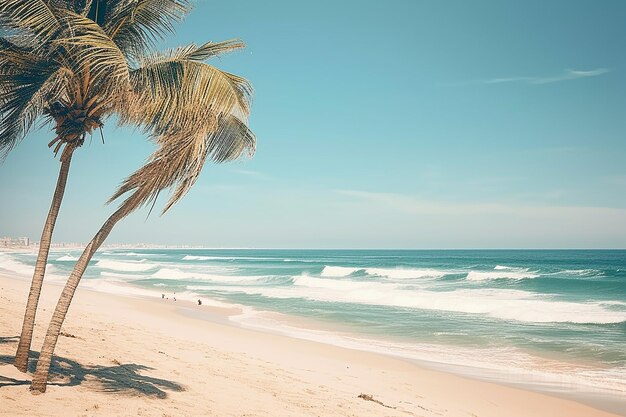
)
(553, 318)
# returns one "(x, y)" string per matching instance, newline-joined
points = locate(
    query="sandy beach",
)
(131, 356)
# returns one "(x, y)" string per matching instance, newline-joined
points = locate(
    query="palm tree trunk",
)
(40, 378)
(23, 348)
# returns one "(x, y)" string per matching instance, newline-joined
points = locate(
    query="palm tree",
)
(176, 164)
(37, 80)
(78, 62)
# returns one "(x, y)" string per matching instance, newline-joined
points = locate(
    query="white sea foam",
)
(138, 266)
(135, 254)
(301, 260)
(67, 257)
(495, 363)
(406, 273)
(114, 286)
(502, 273)
(199, 287)
(202, 258)
(340, 285)
(501, 267)
(512, 305)
(225, 258)
(579, 272)
(118, 275)
(184, 269)
(613, 303)
(194, 297)
(9, 263)
(171, 273)
(393, 273)
(177, 274)
(338, 271)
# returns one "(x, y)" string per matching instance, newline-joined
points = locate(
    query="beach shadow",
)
(5, 381)
(8, 339)
(119, 378)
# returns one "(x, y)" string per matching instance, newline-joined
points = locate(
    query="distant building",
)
(8, 241)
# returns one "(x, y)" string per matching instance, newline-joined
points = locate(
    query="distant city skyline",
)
(407, 124)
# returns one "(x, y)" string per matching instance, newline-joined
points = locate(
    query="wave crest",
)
(502, 273)
(177, 274)
(338, 271)
(405, 273)
(11, 264)
(394, 273)
(511, 305)
(139, 266)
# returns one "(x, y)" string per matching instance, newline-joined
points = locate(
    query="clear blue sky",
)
(398, 124)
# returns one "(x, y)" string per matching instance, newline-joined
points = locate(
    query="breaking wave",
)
(501, 304)
(338, 271)
(177, 274)
(501, 272)
(138, 266)
(394, 273)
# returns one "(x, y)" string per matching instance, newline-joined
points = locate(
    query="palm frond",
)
(88, 49)
(7, 45)
(12, 54)
(178, 161)
(24, 91)
(135, 25)
(195, 53)
(80, 7)
(32, 18)
(194, 111)
(81, 73)
(174, 92)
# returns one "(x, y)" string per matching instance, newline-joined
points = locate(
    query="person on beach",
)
(199, 302)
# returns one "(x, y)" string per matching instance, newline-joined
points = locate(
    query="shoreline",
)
(335, 335)
(321, 379)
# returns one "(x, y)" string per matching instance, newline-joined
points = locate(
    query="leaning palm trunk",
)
(97, 63)
(23, 348)
(172, 165)
(40, 378)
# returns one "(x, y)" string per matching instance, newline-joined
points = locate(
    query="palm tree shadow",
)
(8, 339)
(120, 378)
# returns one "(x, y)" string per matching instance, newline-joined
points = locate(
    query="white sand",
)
(142, 357)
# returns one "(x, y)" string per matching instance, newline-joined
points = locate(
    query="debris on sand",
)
(368, 397)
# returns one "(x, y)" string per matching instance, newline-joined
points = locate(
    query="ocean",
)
(549, 319)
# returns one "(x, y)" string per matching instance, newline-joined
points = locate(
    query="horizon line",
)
(200, 247)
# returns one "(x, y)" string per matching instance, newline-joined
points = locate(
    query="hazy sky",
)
(404, 124)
